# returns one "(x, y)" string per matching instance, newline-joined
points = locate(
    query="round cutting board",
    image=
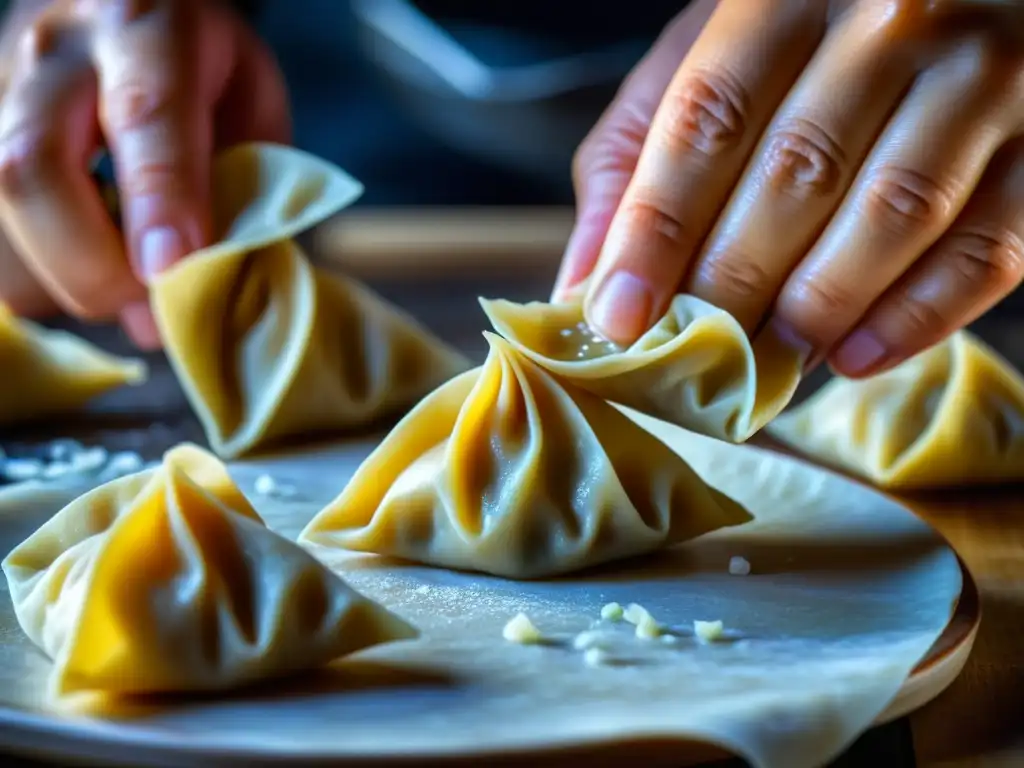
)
(849, 595)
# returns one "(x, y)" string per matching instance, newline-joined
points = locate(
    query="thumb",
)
(607, 157)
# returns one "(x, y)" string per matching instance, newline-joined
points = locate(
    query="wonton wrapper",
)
(695, 368)
(45, 372)
(505, 470)
(952, 415)
(168, 581)
(267, 346)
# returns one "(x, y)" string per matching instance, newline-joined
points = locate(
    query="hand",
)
(161, 84)
(851, 172)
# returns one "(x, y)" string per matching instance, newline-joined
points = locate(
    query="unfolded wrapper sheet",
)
(847, 591)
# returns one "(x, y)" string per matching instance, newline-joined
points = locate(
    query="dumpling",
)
(269, 347)
(168, 581)
(952, 415)
(48, 372)
(507, 471)
(695, 368)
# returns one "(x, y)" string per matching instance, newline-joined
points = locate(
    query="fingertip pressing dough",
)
(267, 346)
(507, 471)
(48, 372)
(695, 368)
(167, 581)
(952, 415)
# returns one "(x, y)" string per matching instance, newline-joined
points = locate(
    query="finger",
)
(705, 128)
(976, 264)
(49, 206)
(913, 185)
(253, 104)
(805, 164)
(607, 158)
(157, 127)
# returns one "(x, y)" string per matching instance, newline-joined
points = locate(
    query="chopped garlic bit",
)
(521, 630)
(739, 566)
(612, 612)
(22, 469)
(708, 631)
(586, 640)
(647, 628)
(595, 657)
(265, 485)
(634, 613)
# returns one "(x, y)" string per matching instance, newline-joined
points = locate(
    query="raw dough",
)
(851, 591)
(47, 372)
(695, 368)
(168, 581)
(952, 415)
(269, 347)
(505, 470)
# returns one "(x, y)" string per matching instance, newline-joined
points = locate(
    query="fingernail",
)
(159, 248)
(785, 333)
(861, 353)
(137, 321)
(621, 309)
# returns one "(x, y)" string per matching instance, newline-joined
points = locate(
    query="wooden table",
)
(435, 264)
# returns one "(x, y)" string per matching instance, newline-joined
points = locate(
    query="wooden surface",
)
(977, 723)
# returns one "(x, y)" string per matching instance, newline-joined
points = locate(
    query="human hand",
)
(161, 84)
(852, 172)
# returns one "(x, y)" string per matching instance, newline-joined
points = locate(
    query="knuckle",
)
(813, 307)
(734, 275)
(705, 115)
(906, 203)
(921, 319)
(655, 219)
(988, 259)
(29, 158)
(802, 161)
(136, 101)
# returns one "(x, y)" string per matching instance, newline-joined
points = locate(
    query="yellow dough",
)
(695, 368)
(952, 415)
(168, 581)
(269, 347)
(45, 372)
(507, 471)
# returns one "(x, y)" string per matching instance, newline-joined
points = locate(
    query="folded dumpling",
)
(952, 415)
(506, 470)
(695, 368)
(46, 372)
(168, 581)
(269, 347)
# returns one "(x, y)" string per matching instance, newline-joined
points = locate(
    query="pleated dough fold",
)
(507, 471)
(953, 415)
(45, 372)
(695, 368)
(168, 581)
(269, 347)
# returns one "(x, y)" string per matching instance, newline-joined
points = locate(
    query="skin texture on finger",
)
(975, 265)
(606, 159)
(702, 134)
(914, 184)
(19, 288)
(49, 206)
(158, 131)
(804, 165)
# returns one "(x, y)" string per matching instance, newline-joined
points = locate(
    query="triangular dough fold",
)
(168, 581)
(507, 471)
(269, 347)
(952, 415)
(45, 372)
(695, 368)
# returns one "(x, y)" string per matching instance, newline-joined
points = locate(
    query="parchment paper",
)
(847, 592)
